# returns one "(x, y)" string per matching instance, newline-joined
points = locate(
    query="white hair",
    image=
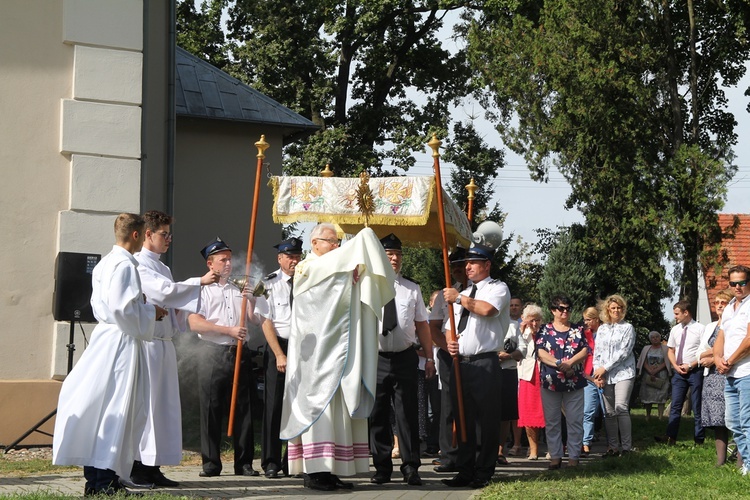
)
(532, 311)
(320, 228)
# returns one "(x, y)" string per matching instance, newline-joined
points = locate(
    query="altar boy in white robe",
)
(339, 295)
(101, 411)
(161, 443)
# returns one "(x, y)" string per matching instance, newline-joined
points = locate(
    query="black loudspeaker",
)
(72, 297)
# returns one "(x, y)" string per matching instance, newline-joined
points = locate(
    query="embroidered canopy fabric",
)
(405, 206)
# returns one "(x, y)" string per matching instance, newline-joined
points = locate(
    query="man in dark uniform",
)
(438, 316)
(217, 323)
(276, 328)
(403, 317)
(481, 318)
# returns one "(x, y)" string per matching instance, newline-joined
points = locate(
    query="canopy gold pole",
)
(471, 188)
(262, 145)
(450, 334)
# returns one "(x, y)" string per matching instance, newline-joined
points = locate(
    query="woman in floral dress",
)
(561, 349)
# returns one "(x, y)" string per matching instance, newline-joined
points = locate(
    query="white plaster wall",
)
(86, 232)
(107, 75)
(103, 129)
(105, 23)
(105, 184)
(81, 336)
(35, 73)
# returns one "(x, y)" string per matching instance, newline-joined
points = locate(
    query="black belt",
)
(476, 357)
(226, 347)
(392, 354)
(283, 342)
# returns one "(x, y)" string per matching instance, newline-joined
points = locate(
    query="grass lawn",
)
(654, 471)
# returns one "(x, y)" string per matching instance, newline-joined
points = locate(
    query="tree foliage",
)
(624, 99)
(373, 74)
(567, 273)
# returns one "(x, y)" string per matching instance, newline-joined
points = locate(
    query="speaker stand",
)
(35, 428)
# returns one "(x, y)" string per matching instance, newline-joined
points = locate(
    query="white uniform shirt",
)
(440, 308)
(221, 305)
(279, 309)
(692, 342)
(484, 333)
(409, 308)
(735, 323)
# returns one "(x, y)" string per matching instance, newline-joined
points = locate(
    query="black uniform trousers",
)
(397, 381)
(215, 378)
(448, 450)
(480, 383)
(273, 397)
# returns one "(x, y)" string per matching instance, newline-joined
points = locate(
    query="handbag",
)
(510, 345)
(655, 382)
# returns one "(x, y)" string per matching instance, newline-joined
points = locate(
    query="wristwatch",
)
(428, 360)
(458, 299)
(558, 363)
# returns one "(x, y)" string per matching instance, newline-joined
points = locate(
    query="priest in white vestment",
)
(101, 411)
(339, 295)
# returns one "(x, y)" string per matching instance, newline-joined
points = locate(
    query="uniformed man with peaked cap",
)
(276, 328)
(404, 319)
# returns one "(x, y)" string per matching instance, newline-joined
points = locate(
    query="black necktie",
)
(465, 313)
(390, 321)
(291, 291)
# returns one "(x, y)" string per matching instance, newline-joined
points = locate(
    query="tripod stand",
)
(35, 428)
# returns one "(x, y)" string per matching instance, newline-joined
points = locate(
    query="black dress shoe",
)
(130, 483)
(380, 478)
(457, 482)
(317, 482)
(479, 483)
(159, 479)
(446, 467)
(339, 484)
(412, 478)
(246, 470)
(204, 473)
(272, 472)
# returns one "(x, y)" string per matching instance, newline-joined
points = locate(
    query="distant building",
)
(735, 250)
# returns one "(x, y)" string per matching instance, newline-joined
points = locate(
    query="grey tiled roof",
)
(204, 91)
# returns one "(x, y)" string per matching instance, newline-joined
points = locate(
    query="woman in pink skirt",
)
(530, 412)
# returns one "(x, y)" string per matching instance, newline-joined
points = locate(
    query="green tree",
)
(567, 273)
(373, 74)
(199, 31)
(624, 98)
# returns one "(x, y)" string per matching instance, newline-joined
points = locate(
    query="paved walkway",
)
(230, 486)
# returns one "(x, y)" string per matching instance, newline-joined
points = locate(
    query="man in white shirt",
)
(515, 309)
(482, 322)
(438, 316)
(276, 327)
(217, 323)
(732, 358)
(683, 343)
(161, 443)
(404, 319)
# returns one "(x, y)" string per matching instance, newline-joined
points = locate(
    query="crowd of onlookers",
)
(571, 376)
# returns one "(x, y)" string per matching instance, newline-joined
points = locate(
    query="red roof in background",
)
(735, 250)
